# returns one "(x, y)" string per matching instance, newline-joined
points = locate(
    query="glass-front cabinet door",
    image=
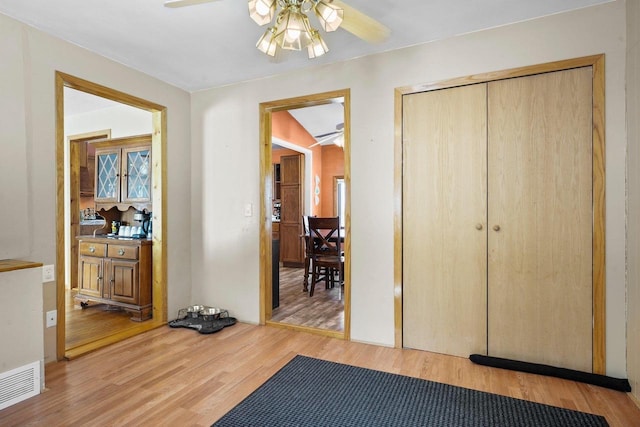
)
(107, 175)
(136, 183)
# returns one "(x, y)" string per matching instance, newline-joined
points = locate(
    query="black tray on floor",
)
(203, 326)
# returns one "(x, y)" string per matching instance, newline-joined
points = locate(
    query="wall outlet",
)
(52, 318)
(48, 273)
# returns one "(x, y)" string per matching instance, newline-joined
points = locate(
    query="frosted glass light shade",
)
(262, 11)
(317, 47)
(267, 42)
(329, 15)
(293, 30)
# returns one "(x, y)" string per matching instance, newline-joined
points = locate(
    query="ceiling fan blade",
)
(328, 138)
(183, 3)
(361, 25)
(324, 135)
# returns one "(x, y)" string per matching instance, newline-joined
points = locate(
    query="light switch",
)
(248, 209)
(48, 273)
(52, 318)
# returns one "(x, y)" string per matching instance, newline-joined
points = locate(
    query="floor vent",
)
(19, 384)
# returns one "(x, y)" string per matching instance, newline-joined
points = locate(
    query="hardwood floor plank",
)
(87, 326)
(180, 377)
(324, 310)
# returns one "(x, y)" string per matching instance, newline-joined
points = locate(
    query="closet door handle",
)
(478, 226)
(496, 227)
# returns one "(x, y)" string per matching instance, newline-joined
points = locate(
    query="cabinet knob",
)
(92, 249)
(496, 227)
(120, 251)
(478, 226)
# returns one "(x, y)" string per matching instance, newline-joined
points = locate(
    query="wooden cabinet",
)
(87, 177)
(291, 210)
(275, 230)
(90, 276)
(123, 173)
(276, 181)
(498, 216)
(116, 272)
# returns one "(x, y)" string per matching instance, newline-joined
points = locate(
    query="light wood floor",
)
(83, 326)
(324, 310)
(178, 377)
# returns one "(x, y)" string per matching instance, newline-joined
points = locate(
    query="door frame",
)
(266, 184)
(73, 142)
(159, 197)
(597, 63)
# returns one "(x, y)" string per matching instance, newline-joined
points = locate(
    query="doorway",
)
(316, 190)
(158, 197)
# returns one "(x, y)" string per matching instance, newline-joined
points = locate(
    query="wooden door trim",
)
(266, 182)
(74, 184)
(159, 196)
(597, 63)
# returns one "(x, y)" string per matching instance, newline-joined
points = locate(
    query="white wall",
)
(225, 160)
(14, 204)
(633, 219)
(123, 120)
(38, 57)
(21, 326)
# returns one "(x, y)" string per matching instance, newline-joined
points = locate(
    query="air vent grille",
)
(19, 384)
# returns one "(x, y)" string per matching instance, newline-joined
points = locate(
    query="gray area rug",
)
(312, 392)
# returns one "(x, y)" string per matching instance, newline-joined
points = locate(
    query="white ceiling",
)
(213, 44)
(320, 120)
(77, 102)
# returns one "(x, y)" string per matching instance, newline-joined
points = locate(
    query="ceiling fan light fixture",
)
(267, 43)
(329, 15)
(293, 31)
(317, 47)
(262, 11)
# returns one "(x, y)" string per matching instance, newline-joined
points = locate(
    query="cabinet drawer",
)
(93, 249)
(121, 251)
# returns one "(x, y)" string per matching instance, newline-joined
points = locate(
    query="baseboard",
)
(635, 399)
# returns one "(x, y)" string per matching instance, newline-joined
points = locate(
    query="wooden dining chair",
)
(325, 242)
(307, 253)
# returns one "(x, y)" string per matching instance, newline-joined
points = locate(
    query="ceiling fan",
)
(336, 137)
(292, 30)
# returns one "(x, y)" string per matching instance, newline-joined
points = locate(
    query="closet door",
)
(444, 220)
(540, 219)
